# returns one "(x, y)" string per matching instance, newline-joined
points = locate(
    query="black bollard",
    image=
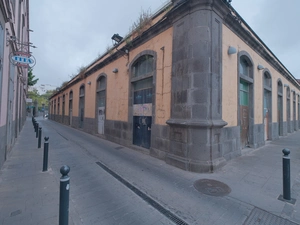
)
(37, 130)
(45, 158)
(64, 196)
(35, 123)
(286, 174)
(40, 138)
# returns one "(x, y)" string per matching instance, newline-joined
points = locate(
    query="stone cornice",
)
(197, 123)
(234, 23)
(186, 7)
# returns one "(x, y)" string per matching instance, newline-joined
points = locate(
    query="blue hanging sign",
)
(22, 59)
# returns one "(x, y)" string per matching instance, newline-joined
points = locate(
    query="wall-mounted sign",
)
(22, 59)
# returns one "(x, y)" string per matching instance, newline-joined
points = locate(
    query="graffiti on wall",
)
(142, 109)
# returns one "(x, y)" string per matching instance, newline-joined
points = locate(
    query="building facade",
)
(14, 37)
(193, 87)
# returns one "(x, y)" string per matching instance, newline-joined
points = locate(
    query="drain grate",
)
(118, 148)
(212, 187)
(261, 217)
(145, 197)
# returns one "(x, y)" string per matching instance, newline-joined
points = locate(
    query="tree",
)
(31, 81)
(41, 99)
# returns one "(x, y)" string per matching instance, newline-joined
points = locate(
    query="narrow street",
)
(112, 184)
(169, 186)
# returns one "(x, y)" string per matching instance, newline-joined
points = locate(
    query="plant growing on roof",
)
(81, 71)
(109, 50)
(142, 22)
(128, 41)
(65, 83)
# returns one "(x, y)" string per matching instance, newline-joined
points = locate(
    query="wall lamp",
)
(260, 67)
(231, 50)
(115, 70)
(117, 38)
(89, 83)
(285, 85)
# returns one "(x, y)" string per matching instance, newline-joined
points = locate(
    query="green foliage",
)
(31, 81)
(40, 98)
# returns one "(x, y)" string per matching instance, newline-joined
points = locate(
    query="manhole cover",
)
(212, 187)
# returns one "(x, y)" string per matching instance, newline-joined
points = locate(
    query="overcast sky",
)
(72, 33)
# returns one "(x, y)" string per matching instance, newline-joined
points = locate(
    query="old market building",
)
(193, 86)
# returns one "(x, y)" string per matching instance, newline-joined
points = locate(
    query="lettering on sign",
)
(22, 59)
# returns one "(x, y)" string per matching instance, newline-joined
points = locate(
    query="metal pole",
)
(286, 174)
(64, 196)
(45, 158)
(37, 130)
(40, 138)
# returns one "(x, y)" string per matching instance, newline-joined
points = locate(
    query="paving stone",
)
(96, 197)
(259, 216)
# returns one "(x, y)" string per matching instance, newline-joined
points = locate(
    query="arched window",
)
(245, 66)
(101, 89)
(143, 66)
(267, 80)
(279, 88)
(81, 91)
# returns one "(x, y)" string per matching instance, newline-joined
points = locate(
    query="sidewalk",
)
(30, 196)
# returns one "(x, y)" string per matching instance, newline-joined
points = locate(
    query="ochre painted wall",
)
(118, 84)
(230, 82)
(162, 45)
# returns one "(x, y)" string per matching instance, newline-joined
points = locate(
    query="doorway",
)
(244, 113)
(142, 131)
(280, 116)
(101, 119)
(71, 108)
(101, 102)
(81, 107)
